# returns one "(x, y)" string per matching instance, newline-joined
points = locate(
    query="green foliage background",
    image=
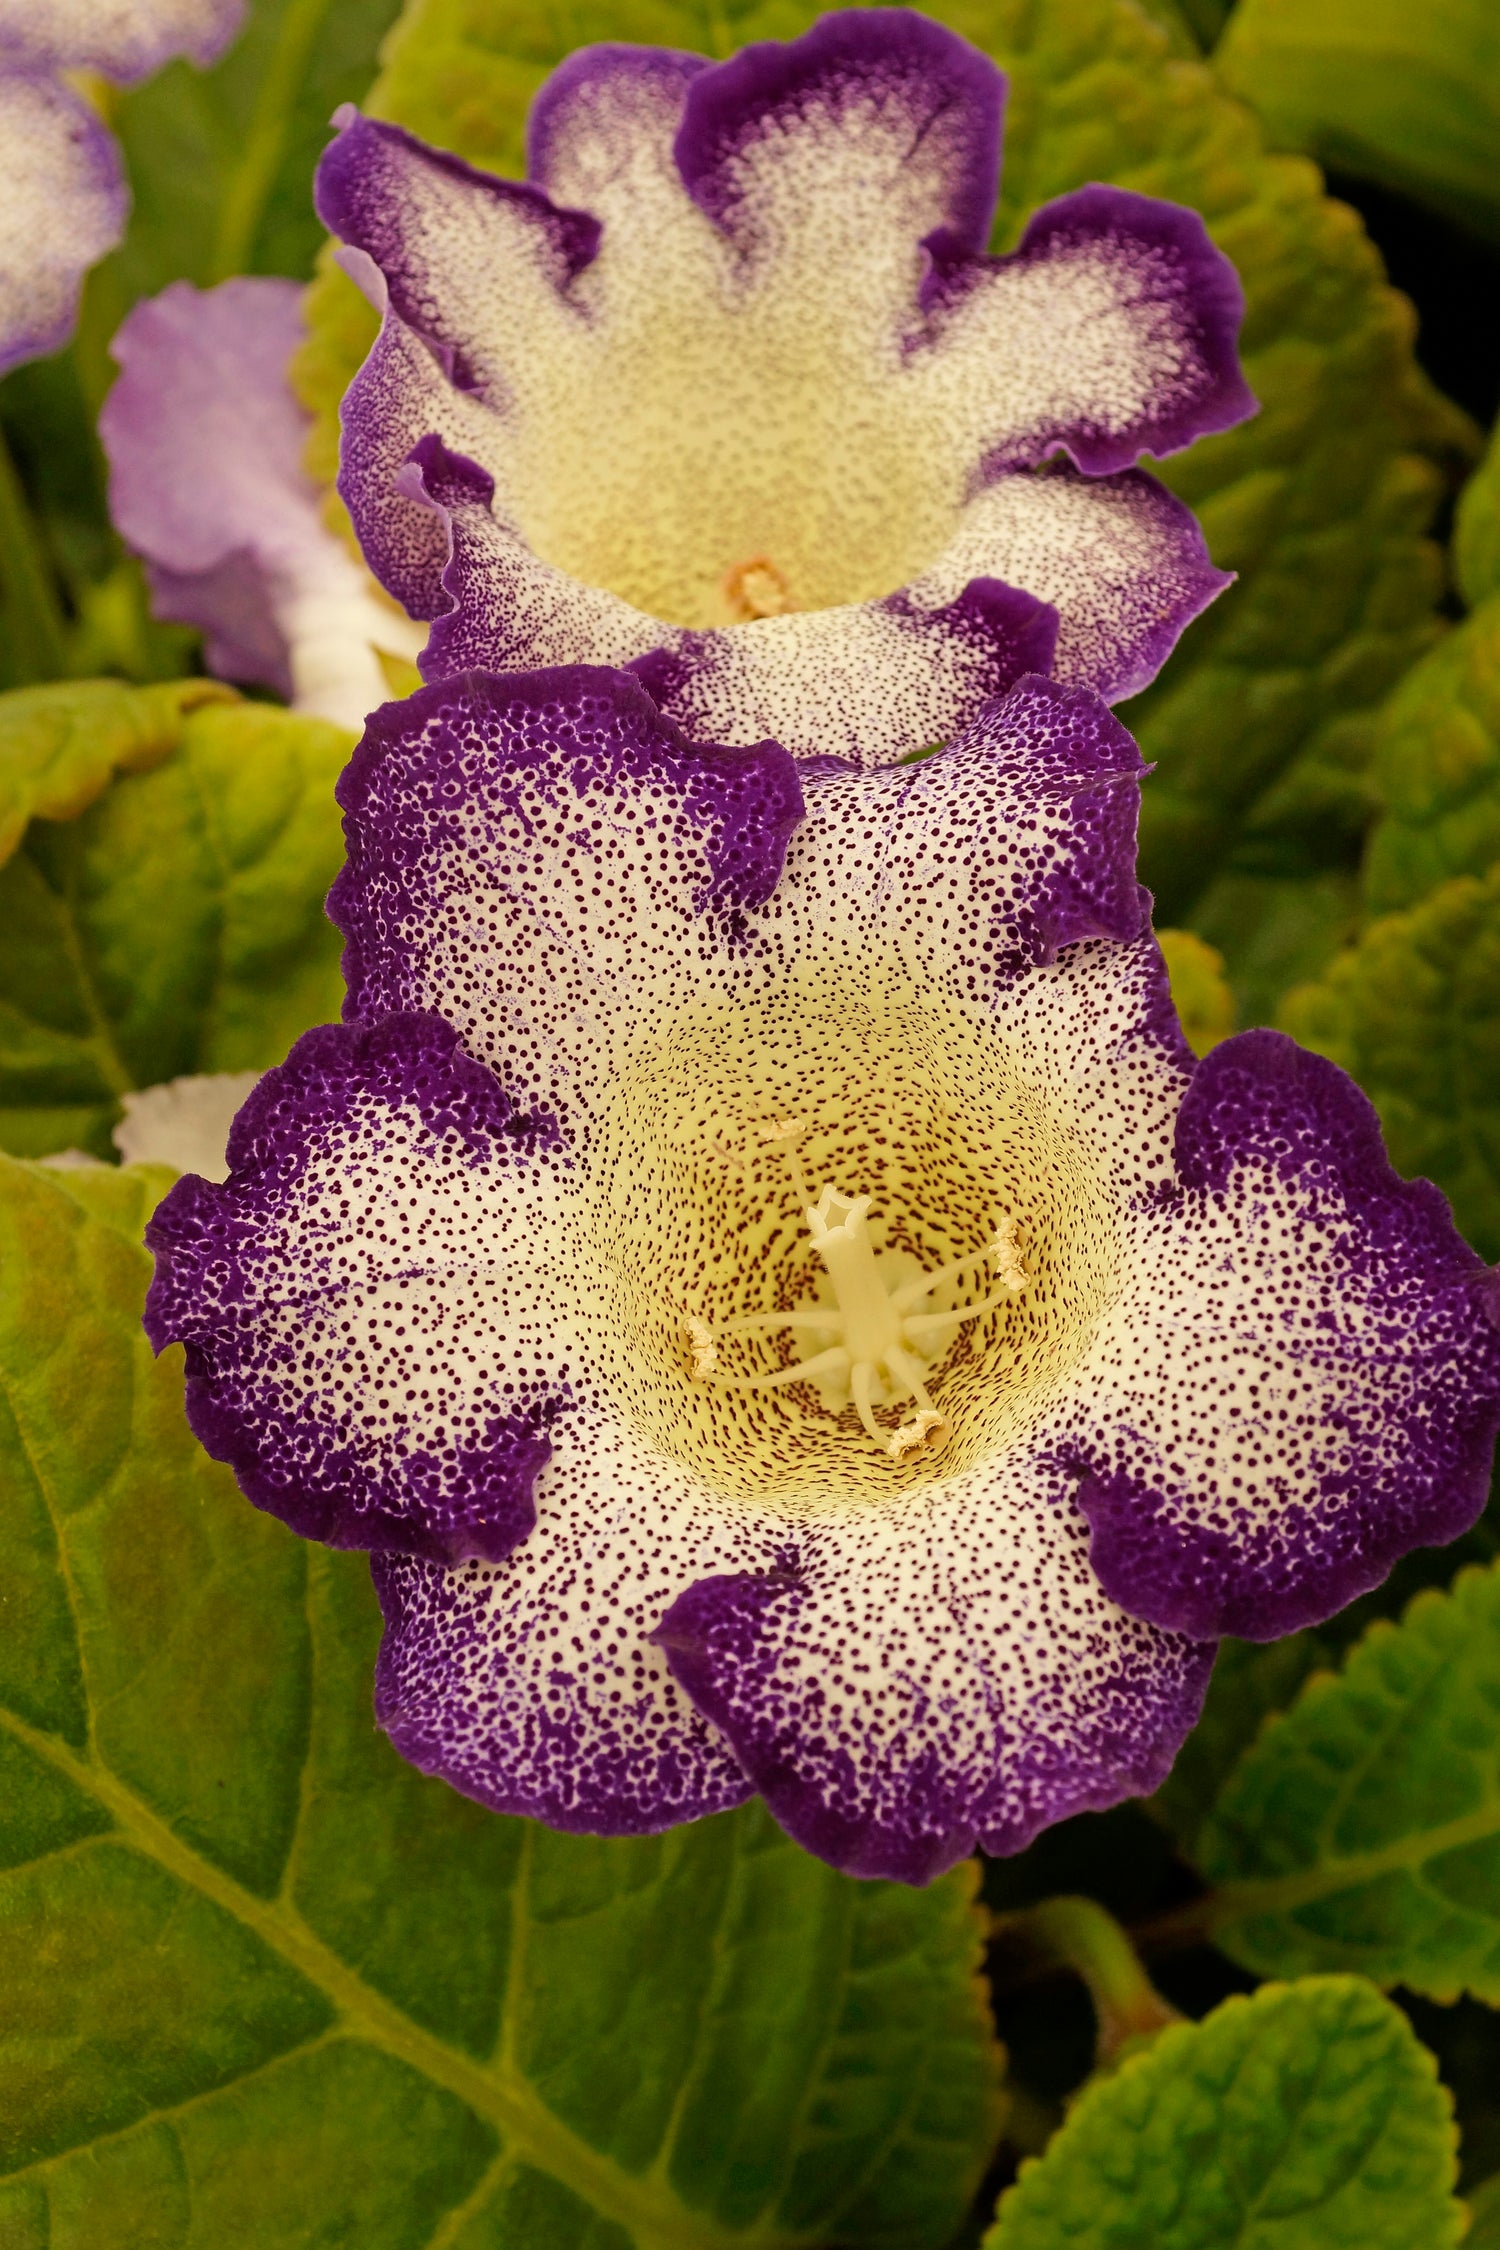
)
(266, 1986)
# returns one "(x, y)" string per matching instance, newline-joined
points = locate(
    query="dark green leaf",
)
(276, 1991)
(1362, 1829)
(1304, 2118)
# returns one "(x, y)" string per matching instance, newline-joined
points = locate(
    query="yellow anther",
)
(927, 1432)
(757, 589)
(702, 1345)
(780, 1129)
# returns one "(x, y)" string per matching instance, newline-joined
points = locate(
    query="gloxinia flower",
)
(205, 443)
(730, 393)
(781, 1302)
(66, 200)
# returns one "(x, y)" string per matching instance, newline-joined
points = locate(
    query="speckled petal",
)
(1120, 559)
(366, 1304)
(533, 1684)
(1109, 332)
(546, 861)
(1301, 1380)
(121, 39)
(867, 683)
(65, 205)
(205, 444)
(912, 1682)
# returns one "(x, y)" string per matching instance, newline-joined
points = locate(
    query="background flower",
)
(736, 391)
(205, 443)
(66, 199)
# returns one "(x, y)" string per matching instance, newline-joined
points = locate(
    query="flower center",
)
(956, 1228)
(874, 1343)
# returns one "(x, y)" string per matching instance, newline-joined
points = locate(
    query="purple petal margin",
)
(958, 93)
(1418, 1471)
(482, 739)
(208, 1295)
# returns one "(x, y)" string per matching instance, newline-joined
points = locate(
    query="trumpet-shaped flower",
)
(205, 444)
(763, 1273)
(65, 195)
(729, 392)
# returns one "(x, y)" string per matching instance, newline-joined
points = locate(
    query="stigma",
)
(757, 589)
(879, 1334)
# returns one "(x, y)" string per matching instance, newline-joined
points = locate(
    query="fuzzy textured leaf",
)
(1476, 536)
(266, 1985)
(1321, 503)
(1362, 1829)
(1407, 95)
(1438, 769)
(1413, 1011)
(175, 926)
(1305, 2118)
(62, 744)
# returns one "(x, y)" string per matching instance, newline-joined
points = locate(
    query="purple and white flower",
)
(730, 393)
(762, 1272)
(66, 200)
(205, 443)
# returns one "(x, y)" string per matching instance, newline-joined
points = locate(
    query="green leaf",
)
(1307, 2117)
(1484, 2217)
(1204, 1002)
(1276, 931)
(1362, 1830)
(1438, 768)
(1403, 94)
(266, 1986)
(177, 924)
(1476, 537)
(1413, 1011)
(1249, 1683)
(1321, 503)
(248, 134)
(61, 745)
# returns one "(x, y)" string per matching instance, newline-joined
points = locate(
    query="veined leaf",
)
(1413, 1011)
(1321, 503)
(1476, 540)
(1305, 2118)
(267, 1986)
(61, 745)
(177, 924)
(1438, 769)
(1410, 96)
(1362, 1829)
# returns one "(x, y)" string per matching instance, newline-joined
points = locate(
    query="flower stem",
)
(1078, 1934)
(37, 632)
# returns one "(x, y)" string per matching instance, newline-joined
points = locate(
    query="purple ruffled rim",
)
(202, 1235)
(1261, 1099)
(744, 866)
(106, 177)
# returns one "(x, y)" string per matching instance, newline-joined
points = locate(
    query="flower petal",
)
(1119, 558)
(906, 1684)
(184, 1123)
(1302, 1380)
(865, 683)
(205, 445)
(543, 859)
(124, 41)
(532, 1684)
(65, 205)
(365, 1303)
(876, 110)
(1109, 332)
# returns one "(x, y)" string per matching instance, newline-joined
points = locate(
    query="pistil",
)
(882, 1338)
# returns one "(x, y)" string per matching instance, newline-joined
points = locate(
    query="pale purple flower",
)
(762, 1271)
(66, 201)
(729, 392)
(205, 442)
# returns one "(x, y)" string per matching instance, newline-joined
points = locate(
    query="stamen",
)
(757, 589)
(880, 1332)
